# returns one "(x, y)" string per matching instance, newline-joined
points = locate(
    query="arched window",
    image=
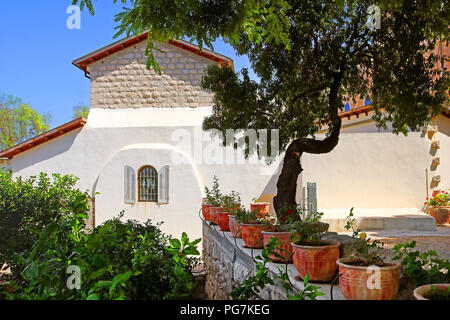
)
(147, 184)
(347, 106)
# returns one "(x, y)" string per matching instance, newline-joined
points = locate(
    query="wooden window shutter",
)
(163, 185)
(129, 185)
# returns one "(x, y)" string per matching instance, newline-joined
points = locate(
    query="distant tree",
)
(19, 122)
(80, 111)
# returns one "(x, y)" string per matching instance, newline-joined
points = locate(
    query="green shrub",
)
(422, 267)
(27, 206)
(116, 260)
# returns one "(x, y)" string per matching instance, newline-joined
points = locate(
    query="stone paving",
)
(438, 240)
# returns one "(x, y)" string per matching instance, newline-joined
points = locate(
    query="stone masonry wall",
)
(226, 267)
(123, 81)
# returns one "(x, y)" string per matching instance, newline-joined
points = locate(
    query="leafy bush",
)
(27, 206)
(117, 260)
(422, 267)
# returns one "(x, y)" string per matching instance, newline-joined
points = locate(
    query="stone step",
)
(380, 219)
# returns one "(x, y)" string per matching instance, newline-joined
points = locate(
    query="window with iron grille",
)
(148, 184)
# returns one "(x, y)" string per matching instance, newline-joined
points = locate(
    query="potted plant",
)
(251, 226)
(439, 207)
(282, 232)
(262, 208)
(213, 201)
(423, 270)
(230, 204)
(232, 201)
(235, 228)
(312, 255)
(438, 291)
(364, 275)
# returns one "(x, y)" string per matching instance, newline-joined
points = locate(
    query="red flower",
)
(287, 214)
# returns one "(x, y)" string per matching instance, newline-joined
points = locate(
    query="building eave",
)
(83, 62)
(43, 138)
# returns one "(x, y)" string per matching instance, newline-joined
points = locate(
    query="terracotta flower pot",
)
(317, 261)
(440, 214)
(285, 249)
(251, 234)
(362, 283)
(223, 220)
(213, 213)
(422, 292)
(205, 211)
(261, 207)
(235, 227)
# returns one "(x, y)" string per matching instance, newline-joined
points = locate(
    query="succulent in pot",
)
(439, 207)
(251, 226)
(356, 272)
(312, 255)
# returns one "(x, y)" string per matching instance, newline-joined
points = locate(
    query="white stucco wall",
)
(112, 139)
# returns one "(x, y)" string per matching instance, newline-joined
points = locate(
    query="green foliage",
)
(309, 291)
(214, 195)
(183, 282)
(309, 230)
(43, 232)
(365, 251)
(81, 111)
(28, 206)
(250, 287)
(244, 215)
(117, 261)
(19, 122)
(422, 267)
(438, 294)
(201, 21)
(231, 201)
(288, 214)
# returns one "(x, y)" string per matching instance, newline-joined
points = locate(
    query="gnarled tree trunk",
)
(287, 181)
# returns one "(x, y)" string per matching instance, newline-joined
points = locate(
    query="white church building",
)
(142, 149)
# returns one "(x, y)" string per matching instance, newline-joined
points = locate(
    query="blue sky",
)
(37, 50)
